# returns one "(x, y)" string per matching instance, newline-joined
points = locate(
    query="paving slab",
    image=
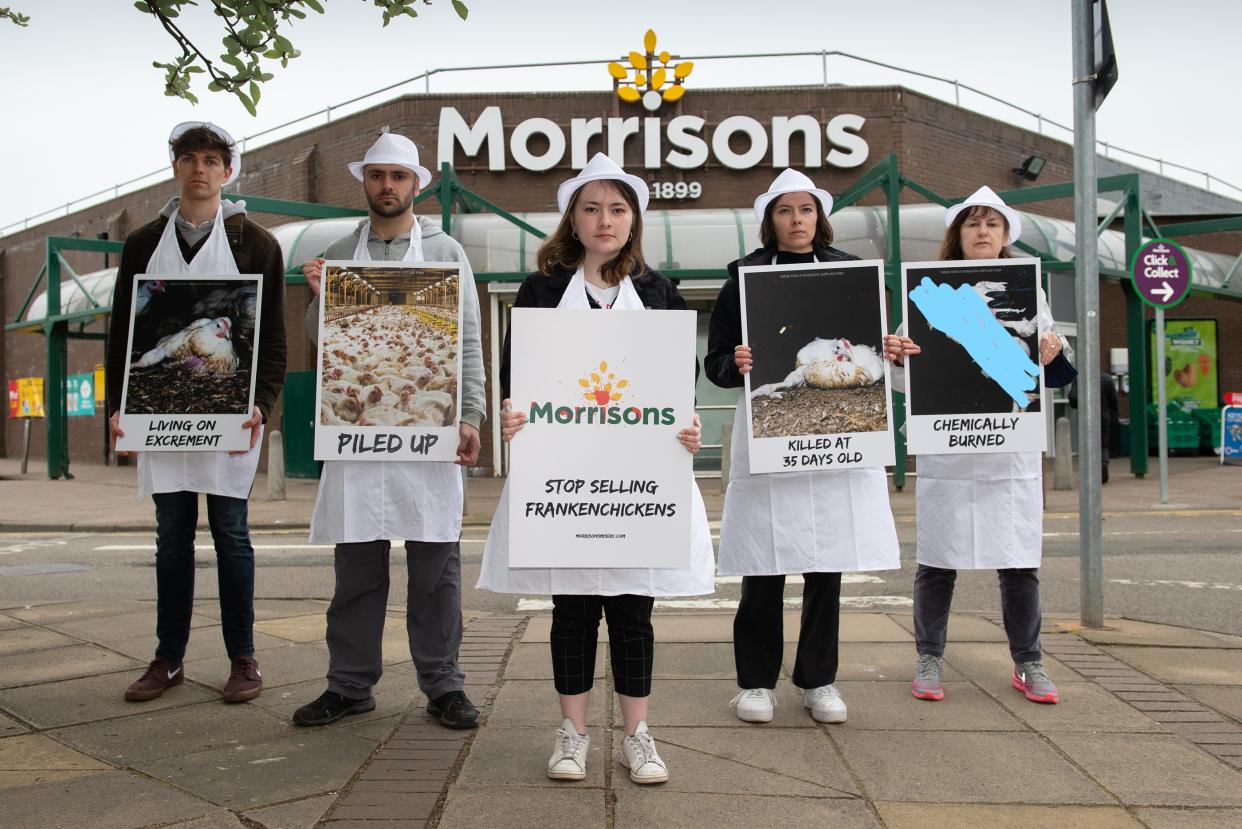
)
(1224, 698)
(27, 638)
(1084, 707)
(107, 800)
(694, 660)
(205, 641)
(77, 660)
(1153, 769)
(1190, 818)
(61, 612)
(745, 760)
(218, 819)
(104, 630)
(286, 665)
(34, 758)
(992, 667)
(267, 608)
(9, 623)
(987, 768)
(699, 627)
(311, 627)
(1133, 632)
(857, 627)
(882, 661)
(300, 814)
(534, 703)
(148, 734)
(1183, 665)
(705, 702)
(503, 756)
(502, 807)
(90, 698)
(10, 726)
(533, 660)
(978, 816)
(373, 726)
(887, 706)
(642, 807)
(309, 762)
(963, 627)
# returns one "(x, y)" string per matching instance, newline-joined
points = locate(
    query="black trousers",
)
(933, 596)
(758, 635)
(631, 642)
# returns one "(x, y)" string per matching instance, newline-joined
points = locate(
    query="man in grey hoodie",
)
(363, 504)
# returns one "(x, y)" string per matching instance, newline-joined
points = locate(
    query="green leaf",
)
(214, 86)
(194, 70)
(460, 8)
(314, 4)
(142, 7)
(246, 102)
(283, 44)
(254, 92)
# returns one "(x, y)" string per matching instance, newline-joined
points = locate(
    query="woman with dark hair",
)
(817, 524)
(594, 260)
(998, 526)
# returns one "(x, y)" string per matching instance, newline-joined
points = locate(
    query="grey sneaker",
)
(569, 755)
(928, 676)
(1031, 678)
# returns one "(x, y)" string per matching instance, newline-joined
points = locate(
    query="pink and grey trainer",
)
(928, 676)
(1031, 678)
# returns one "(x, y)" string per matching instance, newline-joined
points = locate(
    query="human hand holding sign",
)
(313, 271)
(255, 424)
(467, 444)
(511, 422)
(691, 437)
(741, 358)
(114, 426)
(896, 349)
(1049, 347)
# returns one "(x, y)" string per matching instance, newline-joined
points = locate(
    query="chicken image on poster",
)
(977, 386)
(189, 381)
(818, 391)
(388, 363)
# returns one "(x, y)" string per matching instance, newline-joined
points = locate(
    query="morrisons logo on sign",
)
(602, 389)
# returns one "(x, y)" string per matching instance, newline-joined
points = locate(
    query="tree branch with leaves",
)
(19, 19)
(252, 35)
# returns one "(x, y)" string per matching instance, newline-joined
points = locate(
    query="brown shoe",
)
(245, 683)
(159, 677)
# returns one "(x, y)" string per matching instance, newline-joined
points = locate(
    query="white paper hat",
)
(791, 181)
(599, 168)
(986, 197)
(391, 148)
(185, 126)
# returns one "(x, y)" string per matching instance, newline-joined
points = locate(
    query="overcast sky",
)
(84, 109)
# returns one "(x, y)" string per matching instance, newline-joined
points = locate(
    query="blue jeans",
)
(176, 517)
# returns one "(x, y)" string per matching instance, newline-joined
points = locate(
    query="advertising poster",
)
(597, 476)
(101, 388)
(388, 363)
(15, 406)
(189, 381)
(817, 395)
(1190, 372)
(977, 386)
(1231, 434)
(30, 397)
(80, 395)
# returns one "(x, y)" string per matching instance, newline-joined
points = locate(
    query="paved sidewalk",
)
(104, 498)
(1148, 733)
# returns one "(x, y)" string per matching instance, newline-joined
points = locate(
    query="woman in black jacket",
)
(594, 260)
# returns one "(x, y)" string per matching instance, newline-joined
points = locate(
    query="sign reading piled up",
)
(389, 362)
(189, 380)
(977, 385)
(818, 394)
(598, 477)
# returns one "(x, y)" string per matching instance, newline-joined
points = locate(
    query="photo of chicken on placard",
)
(192, 346)
(389, 360)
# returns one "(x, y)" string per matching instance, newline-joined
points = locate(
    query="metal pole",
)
(1091, 560)
(1162, 416)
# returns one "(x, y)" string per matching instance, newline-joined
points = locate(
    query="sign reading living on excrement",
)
(389, 361)
(597, 477)
(977, 386)
(817, 396)
(189, 380)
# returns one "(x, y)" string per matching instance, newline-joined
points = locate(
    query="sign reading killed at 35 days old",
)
(189, 380)
(389, 361)
(597, 477)
(977, 386)
(818, 391)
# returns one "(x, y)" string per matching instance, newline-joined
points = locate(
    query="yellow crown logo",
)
(663, 83)
(600, 386)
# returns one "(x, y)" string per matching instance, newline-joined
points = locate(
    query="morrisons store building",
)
(892, 157)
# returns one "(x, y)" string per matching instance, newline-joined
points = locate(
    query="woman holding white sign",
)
(981, 511)
(594, 260)
(817, 524)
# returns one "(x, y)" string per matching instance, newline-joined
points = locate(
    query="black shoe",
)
(1104, 474)
(330, 707)
(454, 709)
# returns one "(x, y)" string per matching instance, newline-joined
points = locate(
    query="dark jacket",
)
(724, 333)
(539, 291)
(256, 251)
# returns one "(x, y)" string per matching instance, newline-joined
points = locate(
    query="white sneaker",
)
(568, 761)
(638, 754)
(755, 704)
(824, 703)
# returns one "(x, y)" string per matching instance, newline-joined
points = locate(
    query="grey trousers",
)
(1019, 588)
(432, 616)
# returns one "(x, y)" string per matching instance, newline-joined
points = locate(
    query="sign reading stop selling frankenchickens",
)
(597, 477)
(389, 361)
(189, 380)
(977, 386)
(817, 396)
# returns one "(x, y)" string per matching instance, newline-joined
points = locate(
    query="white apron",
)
(379, 500)
(697, 580)
(212, 473)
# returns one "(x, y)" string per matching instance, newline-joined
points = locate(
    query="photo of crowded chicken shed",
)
(389, 353)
